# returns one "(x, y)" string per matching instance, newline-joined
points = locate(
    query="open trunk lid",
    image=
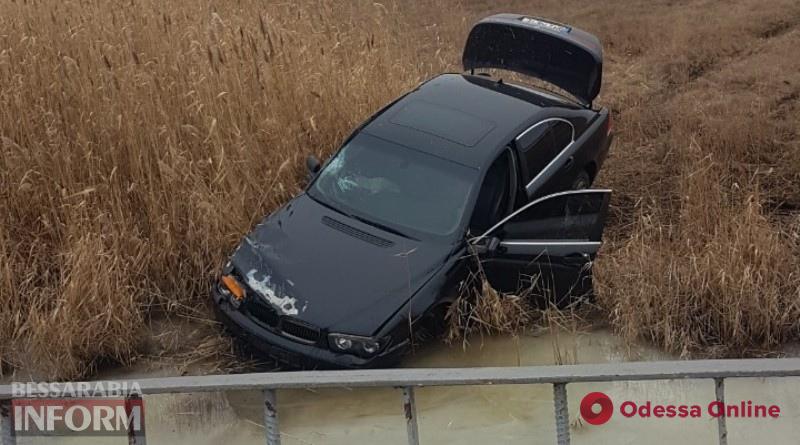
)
(562, 55)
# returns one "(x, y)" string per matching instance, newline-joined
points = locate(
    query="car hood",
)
(313, 263)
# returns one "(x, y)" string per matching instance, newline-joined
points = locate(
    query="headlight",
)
(352, 344)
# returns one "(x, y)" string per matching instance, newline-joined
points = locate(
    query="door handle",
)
(577, 258)
(568, 164)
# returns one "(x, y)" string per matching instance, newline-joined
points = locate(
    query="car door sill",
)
(551, 243)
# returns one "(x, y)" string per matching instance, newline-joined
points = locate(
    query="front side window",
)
(567, 216)
(409, 191)
(495, 195)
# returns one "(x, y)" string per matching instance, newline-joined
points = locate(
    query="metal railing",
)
(408, 379)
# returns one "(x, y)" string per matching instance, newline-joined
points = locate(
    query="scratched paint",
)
(271, 292)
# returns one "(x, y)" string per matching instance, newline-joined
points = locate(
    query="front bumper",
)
(292, 353)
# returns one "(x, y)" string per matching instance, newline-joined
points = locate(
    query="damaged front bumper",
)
(294, 354)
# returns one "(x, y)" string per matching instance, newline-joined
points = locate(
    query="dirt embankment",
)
(139, 141)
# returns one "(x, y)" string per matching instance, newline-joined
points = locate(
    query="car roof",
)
(464, 118)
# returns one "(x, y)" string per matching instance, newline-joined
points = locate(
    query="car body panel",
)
(333, 272)
(502, 114)
(565, 56)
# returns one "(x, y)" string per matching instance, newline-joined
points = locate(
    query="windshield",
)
(390, 185)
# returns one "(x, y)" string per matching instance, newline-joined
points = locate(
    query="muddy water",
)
(474, 415)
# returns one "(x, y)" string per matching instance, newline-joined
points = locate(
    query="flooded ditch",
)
(507, 414)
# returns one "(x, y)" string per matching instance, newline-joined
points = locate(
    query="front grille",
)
(265, 314)
(300, 330)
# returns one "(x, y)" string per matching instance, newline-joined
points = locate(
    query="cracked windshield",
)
(394, 186)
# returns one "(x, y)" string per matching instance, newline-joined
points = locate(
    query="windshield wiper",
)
(381, 226)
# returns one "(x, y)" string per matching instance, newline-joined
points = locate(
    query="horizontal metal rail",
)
(608, 372)
(407, 379)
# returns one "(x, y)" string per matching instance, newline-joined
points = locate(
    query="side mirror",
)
(487, 246)
(313, 165)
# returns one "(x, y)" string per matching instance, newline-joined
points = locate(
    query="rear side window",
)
(562, 134)
(539, 152)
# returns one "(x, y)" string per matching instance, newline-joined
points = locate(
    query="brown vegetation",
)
(139, 140)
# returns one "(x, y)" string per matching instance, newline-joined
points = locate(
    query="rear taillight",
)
(609, 125)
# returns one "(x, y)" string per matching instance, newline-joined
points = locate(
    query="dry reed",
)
(139, 140)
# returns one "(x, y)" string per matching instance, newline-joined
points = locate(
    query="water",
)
(507, 414)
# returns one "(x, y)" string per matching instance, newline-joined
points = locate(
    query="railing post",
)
(7, 436)
(719, 390)
(410, 408)
(562, 413)
(271, 429)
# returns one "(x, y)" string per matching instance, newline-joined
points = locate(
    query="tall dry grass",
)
(139, 140)
(703, 255)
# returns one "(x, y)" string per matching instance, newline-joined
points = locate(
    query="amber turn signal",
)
(233, 286)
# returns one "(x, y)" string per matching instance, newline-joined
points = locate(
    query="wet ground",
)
(473, 415)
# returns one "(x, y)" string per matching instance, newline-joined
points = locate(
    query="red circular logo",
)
(588, 403)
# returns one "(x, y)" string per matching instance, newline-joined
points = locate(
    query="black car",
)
(347, 272)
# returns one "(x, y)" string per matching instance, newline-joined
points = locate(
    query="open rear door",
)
(564, 56)
(547, 246)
